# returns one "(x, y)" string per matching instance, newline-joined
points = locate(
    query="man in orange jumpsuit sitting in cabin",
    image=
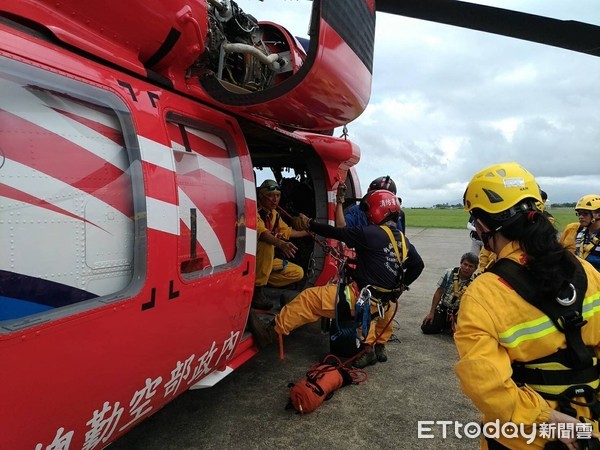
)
(272, 232)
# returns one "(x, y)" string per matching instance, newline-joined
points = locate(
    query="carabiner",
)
(364, 296)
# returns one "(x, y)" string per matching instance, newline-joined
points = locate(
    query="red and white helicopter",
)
(129, 136)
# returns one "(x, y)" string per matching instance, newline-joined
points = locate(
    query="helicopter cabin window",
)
(66, 196)
(207, 199)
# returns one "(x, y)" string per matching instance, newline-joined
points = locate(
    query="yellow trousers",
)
(270, 270)
(316, 302)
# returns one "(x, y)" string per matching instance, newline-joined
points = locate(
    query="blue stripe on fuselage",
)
(12, 308)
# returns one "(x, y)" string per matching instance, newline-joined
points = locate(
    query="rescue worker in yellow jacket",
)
(583, 238)
(272, 232)
(509, 364)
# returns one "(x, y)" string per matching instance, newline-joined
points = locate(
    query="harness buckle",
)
(571, 320)
(567, 301)
(364, 296)
(380, 310)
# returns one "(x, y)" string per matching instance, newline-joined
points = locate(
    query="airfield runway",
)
(246, 409)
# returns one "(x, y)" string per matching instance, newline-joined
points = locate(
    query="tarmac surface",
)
(246, 410)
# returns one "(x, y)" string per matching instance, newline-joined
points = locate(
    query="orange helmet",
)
(380, 205)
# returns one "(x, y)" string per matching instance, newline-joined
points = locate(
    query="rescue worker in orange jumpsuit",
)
(378, 264)
(519, 364)
(272, 232)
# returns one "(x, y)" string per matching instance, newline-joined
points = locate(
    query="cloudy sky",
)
(446, 102)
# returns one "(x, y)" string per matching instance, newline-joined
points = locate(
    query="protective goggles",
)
(272, 187)
(583, 213)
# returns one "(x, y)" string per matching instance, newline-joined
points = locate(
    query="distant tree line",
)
(563, 205)
(460, 206)
(448, 206)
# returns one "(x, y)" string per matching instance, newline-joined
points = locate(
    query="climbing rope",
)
(340, 258)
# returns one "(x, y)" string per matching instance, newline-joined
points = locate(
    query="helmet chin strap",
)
(485, 238)
(487, 235)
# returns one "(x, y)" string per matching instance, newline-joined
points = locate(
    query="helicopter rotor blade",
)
(568, 34)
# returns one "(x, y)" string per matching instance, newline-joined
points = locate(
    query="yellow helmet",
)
(589, 202)
(499, 187)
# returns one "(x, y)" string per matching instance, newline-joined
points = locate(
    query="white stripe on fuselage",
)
(203, 163)
(31, 108)
(54, 191)
(79, 109)
(74, 251)
(162, 216)
(209, 137)
(162, 156)
(205, 235)
(154, 153)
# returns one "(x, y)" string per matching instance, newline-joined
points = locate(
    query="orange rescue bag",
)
(321, 381)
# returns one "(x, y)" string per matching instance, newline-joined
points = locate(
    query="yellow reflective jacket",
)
(497, 327)
(277, 227)
(567, 238)
(486, 258)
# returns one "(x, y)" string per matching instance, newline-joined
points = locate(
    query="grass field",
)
(457, 218)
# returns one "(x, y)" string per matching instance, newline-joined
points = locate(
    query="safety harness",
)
(326, 377)
(344, 338)
(451, 310)
(458, 291)
(584, 249)
(380, 297)
(569, 373)
(273, 228)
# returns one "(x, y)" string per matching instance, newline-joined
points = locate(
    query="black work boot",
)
(259, 301)
(263, 333)
(380, 352)
(368, 358)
